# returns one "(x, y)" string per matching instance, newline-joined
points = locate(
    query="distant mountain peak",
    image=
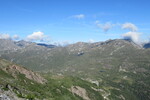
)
(23, 43)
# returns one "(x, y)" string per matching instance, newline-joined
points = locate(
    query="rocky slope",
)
(14, 70)
(10, 75)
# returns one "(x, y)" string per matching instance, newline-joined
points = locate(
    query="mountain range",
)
(111, 70)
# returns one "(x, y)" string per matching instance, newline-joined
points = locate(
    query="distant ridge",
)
(46, 45)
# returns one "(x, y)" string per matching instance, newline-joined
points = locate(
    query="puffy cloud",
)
(16, 37)
(105, 27)
(80, 16)
(129, 26)
(35, 36)
(91, 41)
(5, 36)
(134, 36)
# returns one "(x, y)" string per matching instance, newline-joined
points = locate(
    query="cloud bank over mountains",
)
(7, 36)
(131, 34)
(16, 37)
(134, 36)
(35, 36)
(4, 36)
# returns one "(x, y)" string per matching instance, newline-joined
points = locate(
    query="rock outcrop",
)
(80, 92)
(14, 70)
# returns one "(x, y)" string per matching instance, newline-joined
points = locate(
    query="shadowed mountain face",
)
(119, 67)
(46, 45)
(147, 45)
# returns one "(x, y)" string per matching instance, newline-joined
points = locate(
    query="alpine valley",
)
(112, 70)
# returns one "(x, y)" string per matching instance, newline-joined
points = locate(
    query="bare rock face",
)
(14, 70)
(4, 97)
(80, 92)
(9, 95)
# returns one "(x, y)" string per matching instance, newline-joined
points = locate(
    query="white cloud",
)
(80, 16)
(5, 36)
(16, 37)
(35, 36)
(134, 36)
(62, 43)
(91, 41)
(129, 26)
(105, 27)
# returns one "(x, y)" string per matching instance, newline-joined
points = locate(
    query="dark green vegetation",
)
(111, 70)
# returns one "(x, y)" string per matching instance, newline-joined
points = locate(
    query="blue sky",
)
(74, 20)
